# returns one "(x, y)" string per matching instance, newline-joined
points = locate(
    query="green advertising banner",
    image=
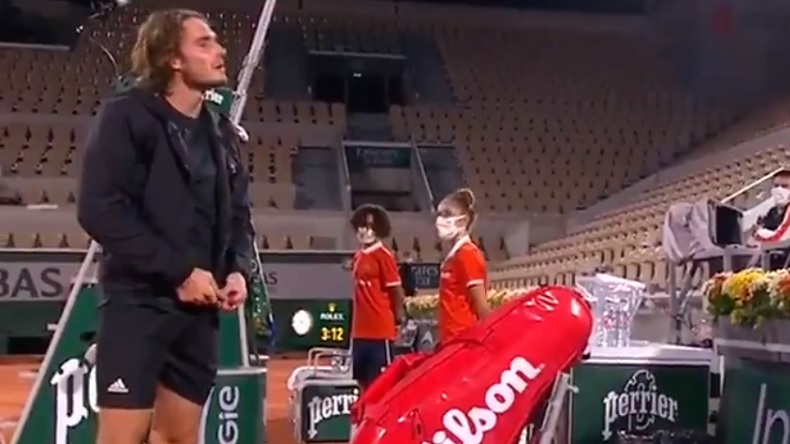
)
(307, 323)
(325, 410)
(636, 398)
(361, 158)
(755, 404)
(234, 412)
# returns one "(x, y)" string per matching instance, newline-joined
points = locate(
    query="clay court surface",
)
(16, 381)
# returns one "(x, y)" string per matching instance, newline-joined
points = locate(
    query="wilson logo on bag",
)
(471, 426)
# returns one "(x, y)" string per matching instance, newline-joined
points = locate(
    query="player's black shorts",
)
(369, 358)
(144, 340)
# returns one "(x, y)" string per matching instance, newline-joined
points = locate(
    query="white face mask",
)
(365, 236)
(781, 195)
(447, 227)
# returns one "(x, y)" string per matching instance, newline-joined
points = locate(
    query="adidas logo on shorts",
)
(118, 387)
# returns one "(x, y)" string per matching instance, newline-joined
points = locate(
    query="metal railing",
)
(423, 175)
(345, 178)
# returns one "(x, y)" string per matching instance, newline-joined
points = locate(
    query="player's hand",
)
(234, 293)
(199, 288)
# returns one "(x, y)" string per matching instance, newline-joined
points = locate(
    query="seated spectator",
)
(773, 227)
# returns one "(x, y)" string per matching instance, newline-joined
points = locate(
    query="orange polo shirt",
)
(375, 272)
(464, 267)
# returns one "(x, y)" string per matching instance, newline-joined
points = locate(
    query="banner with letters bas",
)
(35, 281)
(46, 276)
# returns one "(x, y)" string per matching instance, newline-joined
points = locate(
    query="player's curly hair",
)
(158, 40)
(382, 226)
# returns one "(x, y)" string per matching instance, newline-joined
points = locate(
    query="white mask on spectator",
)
(447, 227)
(365, 235)
(781, 195)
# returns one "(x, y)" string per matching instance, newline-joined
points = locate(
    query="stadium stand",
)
(628, 237)
(580, 126)
(537, 119)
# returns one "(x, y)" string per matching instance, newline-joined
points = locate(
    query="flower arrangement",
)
(750, 296)
(424, 306)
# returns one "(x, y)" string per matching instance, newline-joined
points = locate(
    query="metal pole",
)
(79, 280)
(251, 61)
(551, 420)
(674, 303)
(249, 66)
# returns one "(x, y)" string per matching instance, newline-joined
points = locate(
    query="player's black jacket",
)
(135, 197)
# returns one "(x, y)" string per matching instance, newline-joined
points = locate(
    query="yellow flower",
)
(740, 286)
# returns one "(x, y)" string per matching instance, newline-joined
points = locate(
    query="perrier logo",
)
(323, 409)
(638, 406)
(331, 313)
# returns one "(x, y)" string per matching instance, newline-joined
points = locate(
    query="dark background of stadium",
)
(56, 22)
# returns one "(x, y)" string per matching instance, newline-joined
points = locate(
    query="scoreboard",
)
(303, 324)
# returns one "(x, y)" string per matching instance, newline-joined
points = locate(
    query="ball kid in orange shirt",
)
(464, 279)
(378, 296)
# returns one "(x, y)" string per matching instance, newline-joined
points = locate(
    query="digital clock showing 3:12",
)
(322, 323)
(333, 334)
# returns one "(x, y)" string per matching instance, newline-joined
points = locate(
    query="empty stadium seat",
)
(554, 120)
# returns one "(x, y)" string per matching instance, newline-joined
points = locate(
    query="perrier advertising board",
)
(637, 398)
(325, 410)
